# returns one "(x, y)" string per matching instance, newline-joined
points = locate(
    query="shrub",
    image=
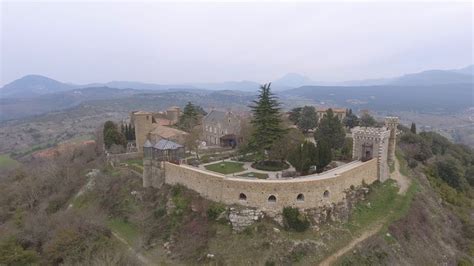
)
(270, 165)
(215, 210)
(12, 253)
(294, 220)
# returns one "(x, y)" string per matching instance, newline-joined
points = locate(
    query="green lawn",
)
(256, 175)
(226, 167)
(7, 163)
(125, 229)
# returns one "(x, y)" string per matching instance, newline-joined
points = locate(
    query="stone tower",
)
(372, 143)
(391, 123)
(143, 126)
(153, 172)
(173, 114)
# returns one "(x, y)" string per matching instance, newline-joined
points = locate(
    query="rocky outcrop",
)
(242, 218)
(337, 212)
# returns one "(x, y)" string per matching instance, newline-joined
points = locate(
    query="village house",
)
(338, 112)
(221, 128)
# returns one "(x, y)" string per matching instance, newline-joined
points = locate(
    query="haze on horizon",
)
(213, 42)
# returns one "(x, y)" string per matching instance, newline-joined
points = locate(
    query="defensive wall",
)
(272, 196)
(115, 159)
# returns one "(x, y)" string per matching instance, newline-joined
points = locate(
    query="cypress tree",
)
(413, 128)
(324, 156)
(266, 121)
(331, 131)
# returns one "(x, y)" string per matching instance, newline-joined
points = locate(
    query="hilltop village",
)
(307, 158)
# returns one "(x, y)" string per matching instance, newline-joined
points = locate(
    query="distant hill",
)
(469, 70)
(443, 98)
(429, 77)
(138, 85)
(292, 80)
(33, 85)
(15, 108)
(432, 77)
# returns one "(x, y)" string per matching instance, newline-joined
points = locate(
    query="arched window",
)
(326, 193)
(300, 197)
(242, 196)
(272, 198)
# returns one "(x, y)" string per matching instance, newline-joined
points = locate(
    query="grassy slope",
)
(422, 233)
(260, 243)
(7, 163)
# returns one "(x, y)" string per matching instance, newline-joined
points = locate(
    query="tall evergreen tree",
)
(189, 118)
(308, 119)
(294, 115)
(330, 131)
(413, 128)
(303, 156)
(324, 155)
(351, 120)
(367, 120)
(266, 121)
(112, 135)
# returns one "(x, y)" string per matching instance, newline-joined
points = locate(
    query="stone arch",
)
(272, 199)
(300, 197)
(242, 196)
(326, 194)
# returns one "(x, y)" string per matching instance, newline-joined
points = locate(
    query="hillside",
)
(47, 218)
(33, 85)
(435, 98)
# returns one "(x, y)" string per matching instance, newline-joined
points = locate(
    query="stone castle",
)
(373, 151)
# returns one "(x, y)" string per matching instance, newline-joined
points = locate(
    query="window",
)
(242, 196)
(272, 199)
(300, 197)
(326, 193)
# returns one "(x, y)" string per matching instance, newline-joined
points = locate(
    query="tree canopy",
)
(308, 119)
(330, 131)
(367, 120)
(190, 117)
(351, 120)
(113, 136)
(266, 121)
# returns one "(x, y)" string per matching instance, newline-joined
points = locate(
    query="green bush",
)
(294, 220)
(12, 253)
(270, 165)
(215, 210)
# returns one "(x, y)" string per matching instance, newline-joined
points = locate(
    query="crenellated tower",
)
(391, 123)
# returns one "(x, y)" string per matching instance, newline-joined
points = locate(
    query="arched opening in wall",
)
(300, 197)
(242, 196)
(326, 194)
(272, 199)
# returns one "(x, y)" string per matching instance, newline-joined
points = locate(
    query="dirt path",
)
(332, 258)
(139, 256)
(403, 181)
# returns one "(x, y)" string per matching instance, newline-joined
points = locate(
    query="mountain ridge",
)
(35, 85)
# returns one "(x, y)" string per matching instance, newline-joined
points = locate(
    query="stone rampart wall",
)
(304, 193)
(121, 157)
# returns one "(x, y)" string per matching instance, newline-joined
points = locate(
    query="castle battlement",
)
(370, 133)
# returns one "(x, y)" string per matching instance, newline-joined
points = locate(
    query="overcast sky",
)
(209, 42)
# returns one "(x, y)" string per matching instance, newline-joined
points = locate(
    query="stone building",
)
(379, 143)
(221, 128)
(148, 128)
(338, 112)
